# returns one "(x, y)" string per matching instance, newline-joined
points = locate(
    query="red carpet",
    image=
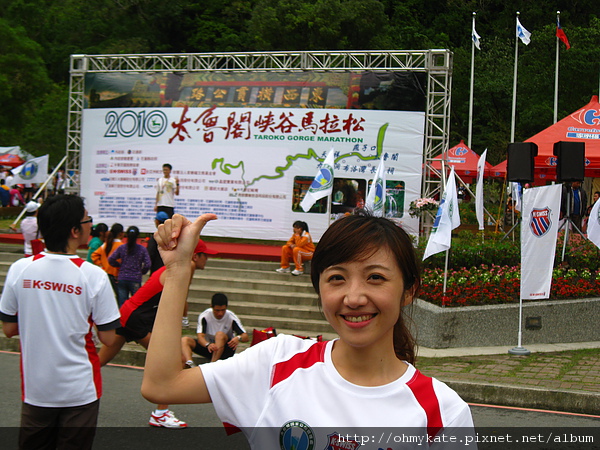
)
(227, 250)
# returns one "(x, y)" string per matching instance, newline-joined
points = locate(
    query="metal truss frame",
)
(437, 64)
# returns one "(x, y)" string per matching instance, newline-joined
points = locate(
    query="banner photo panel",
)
(251, 158)
(539, 230)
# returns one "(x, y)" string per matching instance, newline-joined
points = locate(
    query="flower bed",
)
(489, 285)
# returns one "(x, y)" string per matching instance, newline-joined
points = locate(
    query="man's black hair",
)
(218, 300)
(57, 216)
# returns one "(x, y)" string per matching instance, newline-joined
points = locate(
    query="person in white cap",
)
(29, 226)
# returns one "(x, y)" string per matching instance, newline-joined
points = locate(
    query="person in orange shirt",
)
(100, 256)
(299, 248)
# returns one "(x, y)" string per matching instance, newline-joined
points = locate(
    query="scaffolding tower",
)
(436, 64)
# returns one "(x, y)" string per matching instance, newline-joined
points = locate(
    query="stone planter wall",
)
(559, 321)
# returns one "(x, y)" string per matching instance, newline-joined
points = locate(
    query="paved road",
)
(124, 416)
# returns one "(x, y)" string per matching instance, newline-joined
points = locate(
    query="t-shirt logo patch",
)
(296, 435)
(540, 221)
(52, 286)
(337, 442)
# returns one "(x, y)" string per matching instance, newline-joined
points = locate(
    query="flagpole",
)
(519, 349)
(556, 73)
(39, 191)
(444, 180)
(470, 134)
(514, 99)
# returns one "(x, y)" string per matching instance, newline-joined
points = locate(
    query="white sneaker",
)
(297, 272)
(283, 270)
(166, 420)
(185, 322)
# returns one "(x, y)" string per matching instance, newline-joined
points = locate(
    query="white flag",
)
(516, 192)
(476, 38)
(522, 33)
(593, 230)
(539, 229)
(322, 185)
(446, 220)
(34, 170)
(479, 192)
(376, 199)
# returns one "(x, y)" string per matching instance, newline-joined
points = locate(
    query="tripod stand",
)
(517, 222)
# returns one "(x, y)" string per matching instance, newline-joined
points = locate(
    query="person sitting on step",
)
(299, 248)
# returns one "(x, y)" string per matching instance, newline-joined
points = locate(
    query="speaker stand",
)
(568, 223)
(517, 223)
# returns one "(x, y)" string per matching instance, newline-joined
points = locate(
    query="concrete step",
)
(254, 309)
(205, 291)
(260, 296)
(252, 280)
(308, 326)
(253, 272)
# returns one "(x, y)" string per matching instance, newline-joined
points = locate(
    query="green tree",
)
(23, 78)
(317, 24)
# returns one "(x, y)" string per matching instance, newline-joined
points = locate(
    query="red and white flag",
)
(560, 33)
(539, 230)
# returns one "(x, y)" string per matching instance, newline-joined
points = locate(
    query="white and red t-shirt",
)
(56, 299)
(288, 388)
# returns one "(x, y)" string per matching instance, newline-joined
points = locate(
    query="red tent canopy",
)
(540, 175)
(581, 126)
(10, 160)
(464, 160)
(498, 171)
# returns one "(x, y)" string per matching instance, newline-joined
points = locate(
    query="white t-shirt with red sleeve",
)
(288, 388)
(55, 299)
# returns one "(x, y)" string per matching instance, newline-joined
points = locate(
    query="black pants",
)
(58, 428)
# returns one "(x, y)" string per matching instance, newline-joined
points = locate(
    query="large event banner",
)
(250, 163)
(539, 230)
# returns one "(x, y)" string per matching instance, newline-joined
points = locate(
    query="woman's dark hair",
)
(301, 225)
(355, 238)
(57, 217)
(132, 235)
(115, 230)
(99, 228)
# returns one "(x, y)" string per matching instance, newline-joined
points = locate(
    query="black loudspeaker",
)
(520, 164)
(570, 165)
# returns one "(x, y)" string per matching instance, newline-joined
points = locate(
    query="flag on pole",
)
(376, 199)
(322, 185)
(34, 170)
(479, 192)
(446, 220)
(539, 229)
(561, 34)
(593, 230)
(476, 37)
(522, 33)
(516, 192)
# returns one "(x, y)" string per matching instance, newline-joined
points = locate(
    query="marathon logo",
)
(52, 286)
